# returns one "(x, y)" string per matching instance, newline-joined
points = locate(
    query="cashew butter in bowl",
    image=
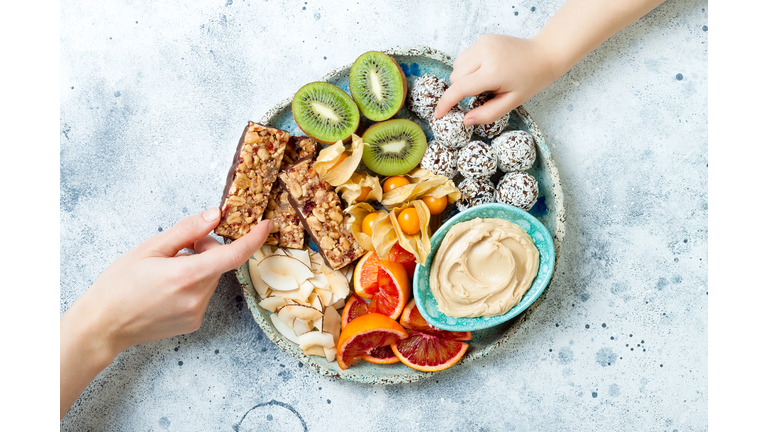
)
(487, 265)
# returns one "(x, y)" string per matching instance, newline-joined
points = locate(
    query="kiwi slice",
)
(325, 112)
(378, 85)
(393, 147)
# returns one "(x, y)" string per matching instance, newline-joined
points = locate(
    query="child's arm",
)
(516, 69)
(151, 292)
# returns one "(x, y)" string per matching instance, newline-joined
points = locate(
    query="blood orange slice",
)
(394, 290)
(366, 278)
(364, 334)
(402, 256)
(428, 353)
(354, 308)
(412, 319)
(382, 355)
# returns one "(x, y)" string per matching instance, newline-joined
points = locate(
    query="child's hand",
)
(514, 69)
(151, 292)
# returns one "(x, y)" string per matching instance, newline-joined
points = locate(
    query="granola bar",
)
(319, 208)
(287, 230)
(249, 182)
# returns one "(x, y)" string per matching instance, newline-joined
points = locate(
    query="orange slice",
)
(364, 334)
(428, 353)
(382, 355)
(366, 278)
(394, 290)
(412, 319)
(354, 308)
(402, 256)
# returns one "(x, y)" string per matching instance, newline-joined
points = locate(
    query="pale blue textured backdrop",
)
(154, 96)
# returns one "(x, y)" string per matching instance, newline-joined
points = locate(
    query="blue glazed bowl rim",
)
(539, 285)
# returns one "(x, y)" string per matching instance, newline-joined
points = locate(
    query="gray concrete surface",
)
(154, 96)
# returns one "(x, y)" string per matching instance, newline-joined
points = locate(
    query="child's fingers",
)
(220, 259)
(466, 63)
(492, 110)
(185, 233)
(470, 85)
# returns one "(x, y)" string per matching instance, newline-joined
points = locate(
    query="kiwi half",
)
(325, 112)
(378, 85)
(393, 147)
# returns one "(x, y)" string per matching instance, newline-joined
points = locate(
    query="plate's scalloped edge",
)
(558, 236)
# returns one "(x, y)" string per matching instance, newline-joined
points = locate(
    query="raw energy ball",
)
(518, 189)
(424, 94)
(475, 192)
(439, 159)
(492, 129)
(476, 160)
(515, 150)
(450, 129)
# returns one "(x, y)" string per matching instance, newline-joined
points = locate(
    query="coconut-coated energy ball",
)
(439, 159)
(475, 192)
(519, 189)
(492, 129)
(425, 92)
(450, 129)
(476, 160)
(515, 150)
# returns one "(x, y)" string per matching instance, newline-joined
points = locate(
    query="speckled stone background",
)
(154, 96)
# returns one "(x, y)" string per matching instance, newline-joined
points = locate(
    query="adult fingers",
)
(218, 260)
(184, 234)
(470, 85)
(466, 63)
(205, 243)
(493, 110)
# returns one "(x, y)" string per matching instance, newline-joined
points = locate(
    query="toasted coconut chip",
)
(328, 157)
(288, 313)
(352, 188)
(317, 260)
(283, 329)
(339, 303)
(338, 283)
(384, 235)
(357, 213)
(325, 340)
(318, 324)
(280, 251)
(301, 255)
(273, 303)
(330, 354)
(278, 270)
(314, 350)
(319, 280)
(325, 295)
(332, 323)
(423, 183)
(258, 284)
(315, 301)
(418, 244)
(300, 326)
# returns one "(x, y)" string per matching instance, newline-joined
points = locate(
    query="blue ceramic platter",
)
(422, 293)
(549, 210)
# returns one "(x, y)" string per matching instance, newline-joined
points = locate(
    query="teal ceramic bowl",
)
(422, 293)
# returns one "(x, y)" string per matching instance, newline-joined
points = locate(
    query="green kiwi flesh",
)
(378, 85)
(325, 112)
(393, 147)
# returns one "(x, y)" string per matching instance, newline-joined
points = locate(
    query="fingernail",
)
(271, 226)
(211, 214)
(469, 122)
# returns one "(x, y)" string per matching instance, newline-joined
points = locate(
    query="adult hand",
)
(151, 292)
(513, 69)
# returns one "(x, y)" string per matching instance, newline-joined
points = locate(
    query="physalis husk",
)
(331, 155)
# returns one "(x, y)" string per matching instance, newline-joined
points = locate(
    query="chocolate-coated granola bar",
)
(319, 208)
(288, 230)
(249, 182)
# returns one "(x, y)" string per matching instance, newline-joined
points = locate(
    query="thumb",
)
(185, 233)
(492, 110)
